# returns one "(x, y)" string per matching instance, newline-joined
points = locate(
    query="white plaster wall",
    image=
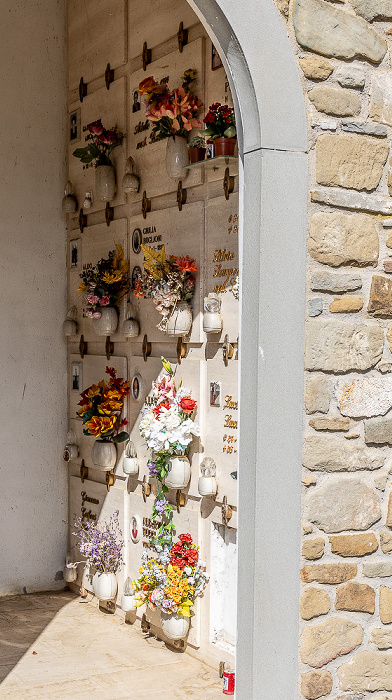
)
(33, 492)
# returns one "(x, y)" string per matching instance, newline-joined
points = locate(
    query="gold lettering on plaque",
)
(229, 423)
(233, 405)
(221, 255)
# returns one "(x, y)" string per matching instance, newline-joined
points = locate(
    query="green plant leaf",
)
(87, 159)
(121, 437)
(79, 152)
(165, 489)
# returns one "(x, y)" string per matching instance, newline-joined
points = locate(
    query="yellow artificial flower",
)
(94, 390)
(81, 288)
(118, 261)
(112, 277)
(107, 407)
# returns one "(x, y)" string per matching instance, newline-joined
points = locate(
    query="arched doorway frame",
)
(261, 68)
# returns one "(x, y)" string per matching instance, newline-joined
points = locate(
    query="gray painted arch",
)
(273, 213)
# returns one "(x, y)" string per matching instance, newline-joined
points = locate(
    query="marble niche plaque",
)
(148, 152)
(96, 37)
(93, 246)
(109, 106)
(154, 27)
(182, 233)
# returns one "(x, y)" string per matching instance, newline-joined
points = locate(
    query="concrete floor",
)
(58, 646)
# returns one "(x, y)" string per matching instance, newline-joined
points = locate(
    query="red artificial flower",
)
(111, 371)
(157, 409)
(123, 422)
(138, 291)
(96, 128)
(185, 538)
(145, 587)
(187, 405)
(108, 137)
(186, 264)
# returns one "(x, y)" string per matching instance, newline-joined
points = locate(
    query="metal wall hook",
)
(227, 511)
(83, 471)
(146, 489)
(109, 479)
(82, 220)
(146, 56)
(109, 214)
(228, 183)
(180, 500)
(181, 350)
(109, 347)
(228, 350)
(146, 205)
(146, 348)
(109, 76)
(82, 89)
(82, 347)
(181, 195)
(182, 36)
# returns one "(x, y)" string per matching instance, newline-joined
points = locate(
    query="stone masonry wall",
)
(344, 55)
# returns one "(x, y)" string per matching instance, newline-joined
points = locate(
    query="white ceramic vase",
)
(176, 157)
(180, 322)
(104, 585)
(131, 328)
(179, 473)
(108, 322)
(128, 603)
(174, 626)
(104, 455)
(70, 574)
(105, 183)
(207, 486)
(130, 466)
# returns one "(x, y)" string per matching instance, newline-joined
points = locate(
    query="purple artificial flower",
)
(160, 506)
(152, 468)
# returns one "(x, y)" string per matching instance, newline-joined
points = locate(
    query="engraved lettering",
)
(232, 405)
(229, 423)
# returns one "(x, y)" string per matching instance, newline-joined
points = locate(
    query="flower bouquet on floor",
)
(170, 282)
(103, 286)
(102, 545)
(100, 408)
(168, 430)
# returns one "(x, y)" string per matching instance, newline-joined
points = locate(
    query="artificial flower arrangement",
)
(100, 543)
(220, 122)
(99, 149)
(168, 428)
(100, 408)
(173, 112)
(167, 280)
(106, 283)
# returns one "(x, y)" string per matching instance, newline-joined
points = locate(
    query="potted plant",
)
(100, 408)
(168, 430)
(103, 286)
(171, 284)
(221, 129)
(197, 149)
(173, 114)
(101, 544)
(97, 153)
(171, 580)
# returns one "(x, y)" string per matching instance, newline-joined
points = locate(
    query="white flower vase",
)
(128, 603)
(130, 466)
(107, 323)
(207, 486)
(174, 626)
(176, 157)
(179, 473)
(180, 322)
(70, 574)
(105, 183)
(104, 455)
(104, 586)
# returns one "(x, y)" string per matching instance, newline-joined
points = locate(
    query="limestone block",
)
(378, 431)
(368, 671)
(313, 549)
(356, 597)
(353, 545)
(365, 128)
(346, 305)
(385, 605)
(380, 481)
(382, 638)
(328, 639)
(336, 346)
(315, 68)
(307, 527)
(324, 281)
(343, 239)
(309, 481)
(340, 424)
(378, 569)
(369, 9)
(364, 396)
(315, 307)
(380, 299)
(316, 684)
(389, 514)
(341, 103)
(314, 602)
(331, 453)
(354, 162)
(386, 541)
(332, 32)
(381, 98)
(376, 203)
(328, 573)
(384, 367)
(389, 337)
(351, 75)
(317, 396)
(345, 503)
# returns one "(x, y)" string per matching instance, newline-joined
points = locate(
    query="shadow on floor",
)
(22, 619)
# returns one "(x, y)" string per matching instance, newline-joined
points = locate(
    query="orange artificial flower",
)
(108, 407)
(99, 425)
(186, 264)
